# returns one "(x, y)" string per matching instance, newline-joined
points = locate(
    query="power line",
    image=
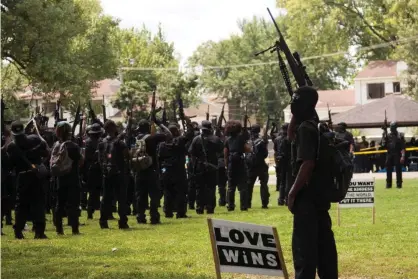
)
(202, 68)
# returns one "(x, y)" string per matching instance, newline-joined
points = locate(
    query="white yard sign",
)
(360, 194)
(246, 248)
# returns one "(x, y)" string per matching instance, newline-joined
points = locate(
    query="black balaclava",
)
(393, 128)
(303, 103)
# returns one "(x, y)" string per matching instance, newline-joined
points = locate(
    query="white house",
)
(377, 80)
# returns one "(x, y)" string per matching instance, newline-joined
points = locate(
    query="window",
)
(49, 107)
(376, 90)
(396, 87)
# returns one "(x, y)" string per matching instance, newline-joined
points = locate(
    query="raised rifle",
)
(207, 114)
(153, 106)
(92, 114)
(76, 121)
(385, 130)
(129, 128)
(181, 111)
(221, 117)
(329, 118)
(164, 117)
(104, 110)
(265, 134)
(294, 61)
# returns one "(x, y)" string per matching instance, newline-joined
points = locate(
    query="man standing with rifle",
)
(313, 242)
(395, 154)
(222, 175)
(256, 164)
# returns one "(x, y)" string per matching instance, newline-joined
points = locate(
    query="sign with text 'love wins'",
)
(246, 248)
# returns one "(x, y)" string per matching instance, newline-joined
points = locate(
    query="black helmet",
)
(393, 125)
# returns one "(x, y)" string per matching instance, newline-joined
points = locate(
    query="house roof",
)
(336, 98)
(372, 115)
(379, 68)
(106, 87)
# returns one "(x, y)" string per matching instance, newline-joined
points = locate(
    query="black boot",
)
(75, 230)
(19, 235)
(123, 225)
(104, 225)
(58, 225)
(89, 214)
(40, 231)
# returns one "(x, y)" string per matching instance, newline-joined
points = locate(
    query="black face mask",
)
(393, 130)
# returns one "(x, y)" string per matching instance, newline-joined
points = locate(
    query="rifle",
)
(265, 135)
(164, 117)
(80, 131)
(385, 130)
(92, 114)
(219, 123)
(76, 121)
(246, 121)
(153, 105)
(129, 128)
(329, 118)
(104, 110)
(207, 114)
(181, 111)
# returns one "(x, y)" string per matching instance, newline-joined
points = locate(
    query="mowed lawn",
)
(181, 248)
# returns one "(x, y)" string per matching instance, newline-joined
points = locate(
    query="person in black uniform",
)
(282, 147)
(222, 177)
(342, 134)
(146, 181)
(204, 152)
(257, 166)
(114, 156)
(235, 147)
(172, 169)
(395, 155)
(6, 181)
(313, 242)
(24, 155)
(93, 172)
(68, 185)
(191, 192)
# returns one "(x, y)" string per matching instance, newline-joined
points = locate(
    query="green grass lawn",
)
(181, 249)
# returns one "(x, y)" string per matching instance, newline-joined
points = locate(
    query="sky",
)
(188, 23)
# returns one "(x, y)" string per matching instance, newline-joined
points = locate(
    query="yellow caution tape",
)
(382, 151)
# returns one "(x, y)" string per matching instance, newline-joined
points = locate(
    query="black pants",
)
(222, 179)
(262, 174)
(114, 187)
(278, 176)
(30, 202)
(131, 195)
(191, 191)
(237, 178)
(206, 191)
(94, 184)
(68, 203)
(146, 185)
(313, 246)
(393, 160)
(286, 171)
(175, 191)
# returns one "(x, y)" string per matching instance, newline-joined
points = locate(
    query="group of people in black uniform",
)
(183, 172)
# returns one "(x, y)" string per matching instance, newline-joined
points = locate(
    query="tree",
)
(141, 49)
(261, 86)
(11, 82)
(61, 46)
